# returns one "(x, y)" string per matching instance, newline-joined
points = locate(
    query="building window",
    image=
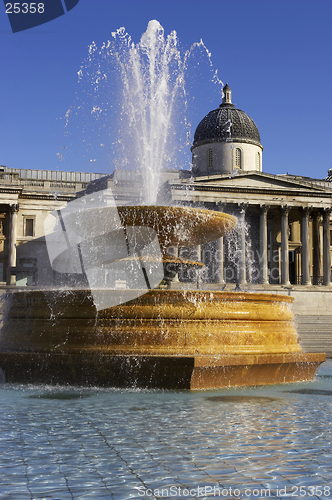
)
(29, 226)
(238, 158)
(210, 159)
(26, 274)
(258, 161)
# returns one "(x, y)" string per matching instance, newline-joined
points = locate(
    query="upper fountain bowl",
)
(174, 226)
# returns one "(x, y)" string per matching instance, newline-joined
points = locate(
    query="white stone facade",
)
(225, 157)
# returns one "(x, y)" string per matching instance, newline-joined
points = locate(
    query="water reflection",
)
(72, 443)
(319, 392)
(242, 399)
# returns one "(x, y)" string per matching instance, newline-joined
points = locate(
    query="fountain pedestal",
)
(163, 339)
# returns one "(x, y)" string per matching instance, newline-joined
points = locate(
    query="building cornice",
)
(252, 190)
(10, 190)
(46, 196)
(232, 140)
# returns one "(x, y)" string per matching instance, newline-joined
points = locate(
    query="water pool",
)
(76, 443)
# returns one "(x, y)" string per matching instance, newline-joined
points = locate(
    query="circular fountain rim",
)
(234, 296)
(174, 225)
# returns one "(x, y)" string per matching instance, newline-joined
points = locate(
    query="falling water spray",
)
(134, 102)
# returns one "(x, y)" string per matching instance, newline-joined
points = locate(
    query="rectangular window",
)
(27, 272)
(29, 226)
(238, 158)
(210, 158)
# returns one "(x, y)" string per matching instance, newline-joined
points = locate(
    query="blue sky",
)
(275, 55)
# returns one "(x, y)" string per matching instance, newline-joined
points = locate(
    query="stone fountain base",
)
(164, 339)
(160, 372)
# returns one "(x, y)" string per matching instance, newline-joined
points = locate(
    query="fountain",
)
(180, 339)
(163, 338)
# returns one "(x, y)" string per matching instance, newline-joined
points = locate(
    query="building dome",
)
(227, 123)
(227, 139)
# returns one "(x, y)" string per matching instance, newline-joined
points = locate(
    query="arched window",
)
(258, 161)
(210, 158)
(238, 158)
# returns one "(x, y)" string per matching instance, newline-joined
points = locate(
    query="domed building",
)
(227, 139)
(284, 235)
(282, 243)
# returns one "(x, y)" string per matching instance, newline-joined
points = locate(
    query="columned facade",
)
(274, 244)
(26, 199)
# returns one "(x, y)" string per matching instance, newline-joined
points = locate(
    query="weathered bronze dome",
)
(227, 123)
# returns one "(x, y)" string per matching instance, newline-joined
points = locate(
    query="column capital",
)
(264, 208)
(220, 206)
(317, 213)
(243, 206)
(14, 207)
(307, 210)
(285, 208)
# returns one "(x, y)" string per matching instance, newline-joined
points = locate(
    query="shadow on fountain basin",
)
(164, 339)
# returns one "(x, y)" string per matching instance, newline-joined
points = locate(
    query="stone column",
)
(284, 246)
(219, 260)
(219, 255)
(11, 280)
(264, 279)
(326, 247)
(316, 244)
(176, 255)
(306, 280)
(242, 260)
(198, 253)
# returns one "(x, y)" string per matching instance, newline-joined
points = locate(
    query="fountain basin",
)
(170, 339)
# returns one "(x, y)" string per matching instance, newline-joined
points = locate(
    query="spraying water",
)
(153, 89)
(134, 103)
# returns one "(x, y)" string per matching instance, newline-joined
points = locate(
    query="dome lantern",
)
(227, 95)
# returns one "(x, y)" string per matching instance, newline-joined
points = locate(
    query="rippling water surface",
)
(73, 443)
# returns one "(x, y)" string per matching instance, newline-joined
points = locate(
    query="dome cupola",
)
(225, 140)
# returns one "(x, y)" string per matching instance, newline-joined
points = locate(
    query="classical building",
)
(26, 198)
(283, 235)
